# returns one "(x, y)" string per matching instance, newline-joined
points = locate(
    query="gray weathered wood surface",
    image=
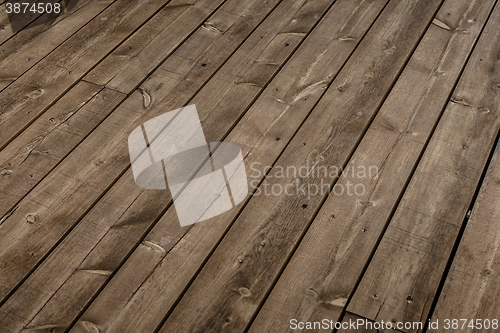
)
(408, 90)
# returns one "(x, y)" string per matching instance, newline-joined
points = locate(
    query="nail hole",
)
(304, 206)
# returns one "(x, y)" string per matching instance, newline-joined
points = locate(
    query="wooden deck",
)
(402, 95)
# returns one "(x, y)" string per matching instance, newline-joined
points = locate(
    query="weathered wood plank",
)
(22, 190)
(188, 85)
(33, 154)
(472, 286)
(6, 30)
(113, 132)
(404, 274)
(129, 64)
(324, 270)
(41, 86)
(233, 283)
(179, 282)
(300, 77)
(30, 45)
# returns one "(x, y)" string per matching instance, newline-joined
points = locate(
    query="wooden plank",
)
(19, 21)
(189, 264)
(103, 165)
(472, 286)
(295, 15)
(352, 323)
(231, 286)
(404, 274)
(31, 94)
(22, 190)
(30, 45)
(129, 64)
(33, 154)
(324, 270)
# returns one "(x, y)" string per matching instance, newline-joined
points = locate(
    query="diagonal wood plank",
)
(403, 276)
(171, 42)
(144, 51)
(235, 280)
(31, 94)
(193, 78)
(6, 31)
(388, 81)
(32, 44)
(299, 17)
(33, 154)
(324, 270)
(472, 284)
(300, 83)
(48, 195)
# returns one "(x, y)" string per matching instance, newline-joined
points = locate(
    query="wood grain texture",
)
(6, 30)
(127, 66)
(29, 46)
(205, 232)
(240, 272)
(315, 86)
(72, 179)
(323, 272)
(262, 133)
(472, 284)
(404, 274)
(33, 154)
(31, 94)
(106, 216)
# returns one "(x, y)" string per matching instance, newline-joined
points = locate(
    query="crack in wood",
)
(90, 327)
(146, 98)
(154, 246)
(96, 271)
(441, 24)
(211, 27)
(460, 101)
